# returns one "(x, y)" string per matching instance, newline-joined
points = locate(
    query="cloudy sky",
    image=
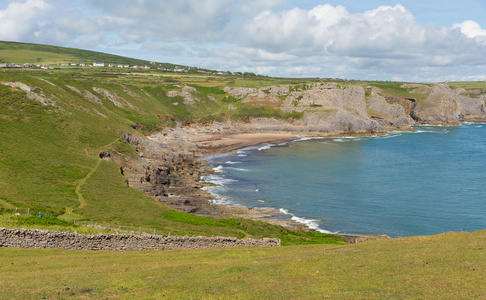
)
(403, 40)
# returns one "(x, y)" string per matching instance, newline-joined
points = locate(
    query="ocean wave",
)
(309, 223)
(391, 134)
(472, 123)
(265, 147)
(237, 169)
(222, 200)
(218, 180)
(244, 151)
(229, 162)
(308, 138)
(432, 130)
(347, 139)
(218, 169)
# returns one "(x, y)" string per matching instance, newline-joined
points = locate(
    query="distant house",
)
(82, 65)
(73, 64)
(3, 65)
(64, 65)
(98, 64)
(111, 66)
(120, 66)
(126, 66)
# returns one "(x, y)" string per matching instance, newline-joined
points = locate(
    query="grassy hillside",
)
(447, 266)
(12, 52)
(55, 123)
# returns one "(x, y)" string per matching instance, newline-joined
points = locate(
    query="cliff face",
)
(325, 108)
(446, 105)
(335, 108)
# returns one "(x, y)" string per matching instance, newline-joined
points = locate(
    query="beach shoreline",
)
(205, 146)
(227, 144)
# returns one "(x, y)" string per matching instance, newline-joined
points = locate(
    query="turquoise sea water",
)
(402, 184)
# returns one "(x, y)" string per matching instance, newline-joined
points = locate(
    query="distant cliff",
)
(336, 108)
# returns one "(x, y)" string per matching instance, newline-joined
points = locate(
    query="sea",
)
(402, 184)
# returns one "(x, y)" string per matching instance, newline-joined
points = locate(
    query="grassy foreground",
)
(446, 266)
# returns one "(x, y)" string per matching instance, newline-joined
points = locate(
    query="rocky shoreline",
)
(171, 163)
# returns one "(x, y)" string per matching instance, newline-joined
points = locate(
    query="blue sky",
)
(408, 40)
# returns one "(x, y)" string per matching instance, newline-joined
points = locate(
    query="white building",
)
(98, 64)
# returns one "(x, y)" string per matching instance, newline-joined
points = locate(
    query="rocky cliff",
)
(335, 108)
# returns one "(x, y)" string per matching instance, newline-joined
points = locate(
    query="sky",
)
(404, 40)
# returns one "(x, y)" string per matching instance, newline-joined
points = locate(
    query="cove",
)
(402, 184)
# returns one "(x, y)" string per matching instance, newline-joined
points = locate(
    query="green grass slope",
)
(446, 266)
(51, 137)
(13, 52)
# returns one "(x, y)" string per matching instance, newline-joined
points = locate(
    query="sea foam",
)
(309, 223)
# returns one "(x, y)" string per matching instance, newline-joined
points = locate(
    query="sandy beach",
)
(219, 143)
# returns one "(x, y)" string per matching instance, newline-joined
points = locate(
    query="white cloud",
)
(471, 29)
(23, 21)
(382, 42)
(182, 20)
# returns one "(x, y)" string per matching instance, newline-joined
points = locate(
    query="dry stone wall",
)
(33, 238)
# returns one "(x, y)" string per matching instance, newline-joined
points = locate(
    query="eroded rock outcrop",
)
(336, 108)
(446, 105)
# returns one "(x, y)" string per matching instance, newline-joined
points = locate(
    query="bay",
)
(402, 184)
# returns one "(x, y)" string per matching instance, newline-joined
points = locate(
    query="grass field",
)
(446, 266)
(12, 52)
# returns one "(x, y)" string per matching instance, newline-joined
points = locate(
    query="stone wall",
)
(33, 238)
